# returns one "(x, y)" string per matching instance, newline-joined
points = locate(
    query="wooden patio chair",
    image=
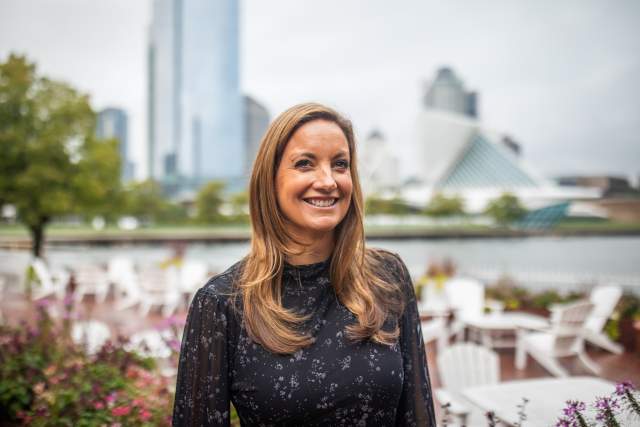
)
(465, 365)
(564, 338)
(48, 283)
(604, 299)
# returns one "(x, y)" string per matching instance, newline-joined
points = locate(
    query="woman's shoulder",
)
(221, 286)
(389, 261)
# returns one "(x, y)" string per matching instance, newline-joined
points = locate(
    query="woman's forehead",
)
(319, 137)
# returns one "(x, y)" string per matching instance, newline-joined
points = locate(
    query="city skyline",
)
(559, 78)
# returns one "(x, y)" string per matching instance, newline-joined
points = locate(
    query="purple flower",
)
(572, 408)
(606, 403)
(174, 344)
(170, 322)
(68, 299)
(605, 407)
(564, 422)
(43, 303)
(623, 387)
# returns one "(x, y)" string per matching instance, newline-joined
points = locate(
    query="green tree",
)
(505, 209)
(208, 202)
(51, 163)
(378, 205)
(441, 205)
(146, 200)
(239, 206)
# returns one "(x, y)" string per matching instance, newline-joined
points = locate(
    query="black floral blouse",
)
(334, 382)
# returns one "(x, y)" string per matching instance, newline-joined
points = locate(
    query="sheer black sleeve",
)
(416, 402)
(202, 388)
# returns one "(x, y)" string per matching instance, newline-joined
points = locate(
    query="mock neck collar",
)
(307, 271)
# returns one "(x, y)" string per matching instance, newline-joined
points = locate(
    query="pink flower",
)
(68, 299)
(111, 398)
(137, 402)
(145, 415)
(120, 411)
(43, 303)
(98, 405)
(174, 344)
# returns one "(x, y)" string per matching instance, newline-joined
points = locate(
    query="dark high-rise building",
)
(195, 105)
(447, 92)
(113, 123)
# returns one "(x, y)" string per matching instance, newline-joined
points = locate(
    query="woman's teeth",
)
(321, 203)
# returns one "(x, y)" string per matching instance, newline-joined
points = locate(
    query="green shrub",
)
(47, 380)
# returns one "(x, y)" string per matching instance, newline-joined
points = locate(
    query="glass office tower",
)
(195, 106)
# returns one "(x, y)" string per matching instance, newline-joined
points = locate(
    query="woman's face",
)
(313, 180)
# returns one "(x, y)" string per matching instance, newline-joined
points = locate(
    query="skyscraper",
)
(447, 93)
(256, 122)
(113, 123)
(195, 106)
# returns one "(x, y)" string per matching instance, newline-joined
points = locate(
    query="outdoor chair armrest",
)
(456, 406)
(520, 329)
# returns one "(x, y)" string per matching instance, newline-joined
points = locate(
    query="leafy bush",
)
(518, 298)
(505, 209)
(394, 206)
(47, 380)
(440, 205)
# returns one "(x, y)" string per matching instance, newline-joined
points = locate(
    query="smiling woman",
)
(311, 327)
(313, 184)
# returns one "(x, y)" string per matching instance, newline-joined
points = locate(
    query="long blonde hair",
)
(355, 272)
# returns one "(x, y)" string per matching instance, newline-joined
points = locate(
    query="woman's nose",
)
(325, 180)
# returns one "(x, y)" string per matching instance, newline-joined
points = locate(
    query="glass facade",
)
(113, 123)
(485, 165)
(195, 106)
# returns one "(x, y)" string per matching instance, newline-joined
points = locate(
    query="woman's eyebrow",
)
(312, 156)
(305, 154)
(341, 154)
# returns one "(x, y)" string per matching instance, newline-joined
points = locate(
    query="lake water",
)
(535, 261)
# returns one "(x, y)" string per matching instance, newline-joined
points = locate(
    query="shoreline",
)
(158, 236)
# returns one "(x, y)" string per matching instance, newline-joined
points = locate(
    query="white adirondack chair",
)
(91, 279)
(192, 275)
(466, 297)
(564, 338)
(92, 334)
(152, 343)
(465, 365)
(159, 287)
(436, 330)
(121, 272)
(604, 299)
(49, 284)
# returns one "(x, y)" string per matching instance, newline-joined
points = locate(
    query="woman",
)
(311, 328)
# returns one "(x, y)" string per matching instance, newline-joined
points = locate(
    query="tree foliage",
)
(441, 205)
(377, 205)
(209, 201)
(51, 163)
(505, 209)
(144, 200)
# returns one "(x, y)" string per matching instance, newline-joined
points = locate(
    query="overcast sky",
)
(561, 77)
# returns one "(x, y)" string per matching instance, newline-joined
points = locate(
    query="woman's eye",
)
(303, 163)
(343, 164)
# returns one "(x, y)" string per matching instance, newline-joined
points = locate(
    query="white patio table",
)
(547, 397)
(500, 323)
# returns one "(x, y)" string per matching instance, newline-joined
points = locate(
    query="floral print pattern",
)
(334, 382)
